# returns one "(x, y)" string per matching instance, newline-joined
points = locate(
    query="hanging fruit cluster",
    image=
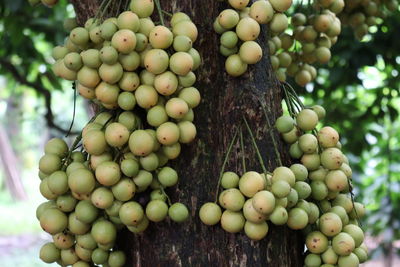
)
(141, 76)
(240, 27)
(312, 195)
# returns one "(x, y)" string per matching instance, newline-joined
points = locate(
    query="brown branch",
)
(39, 89)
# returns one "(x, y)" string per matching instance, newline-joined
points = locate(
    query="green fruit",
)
(141, 143)
(256, 231)
(108, 173)
(307, 119)
(109, 55)
(308, 143)
(297, 219)
(77, 227)
(108, 29)
(182, 43)
(146, 25)
(248, 29)
(66, 203)
(229, 39)
(86, 212)
(129, 119)
(49, 163)
(59, 52)
(187, 80)
(129, 62)
(251, 214)
(292, 198)
(300, 172)
(141, 227)
(172, 151)
(79, 36)
(178, 212)
(280, 188)
(187, 132)
(57, 182)
(361, 254)
(176, 108)
(116, 258)
(102, 197)
(156, 210)
(94, 142)
(330, 224)
(143, 179)
(262, 11)
(343, 244)
(329, 256)
(81, 181)
(283, 174)
(99, 256)
(281, 5)
(311, 161)
(116, 134)
(131, 213)
(146, 96)
(232, 199)
(232, 221)
(316, 242)
(250, 183)
(349, 261)
(143, 8)
(128, 20)
(284, 124)
(104, 232)
(49, 253)
(319, 191)
(229, 180)
(332, 158)
(328, 137)
(312, 260)
(161, 37)
(250, 52)
(356, 233)
(53, 221)
(210, 213)
(63, 241)
(124, 41)
(303, 189)
(279, 216)
(57, 147)
(228, 18)
(279, 23)
(235, 66)
(166, 83)
(73, 61)
(167, 177)
(156, 61)
(86, 241)
(187, 28)
(336, 180)
(181, 63)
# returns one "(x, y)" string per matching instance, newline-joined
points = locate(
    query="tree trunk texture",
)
(224, 101)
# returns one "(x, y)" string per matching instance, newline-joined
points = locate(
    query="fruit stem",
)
(160, 12)
(165, 194)
(74, 110)
(278, 155)
(242, 148)
(294, 94)
(288, 103)
(228, 152)
(167, 13)
(255, 146)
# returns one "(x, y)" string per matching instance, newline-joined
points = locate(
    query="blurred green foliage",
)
(360, 90)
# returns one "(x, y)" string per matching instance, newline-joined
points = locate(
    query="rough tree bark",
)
(225, 101)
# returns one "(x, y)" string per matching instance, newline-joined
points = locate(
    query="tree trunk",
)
(225, 101)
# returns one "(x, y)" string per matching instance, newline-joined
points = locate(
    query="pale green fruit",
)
(187, 28)
(235, 66)
(356, 233)
(210, 213)
(256, 231)
(128, 20)
(264, 202)
(332, 158)
(343, 244)
(330, 224)
(49, 253)
(178, 212)
(143, 8)
(284, 124)
(156, 61)
(317, 242)
(250, 183)
(229, 39)
(261, 11)
(328, 137)
(250, 52)
(229, 180)
(248, 29)
(232, 221)
(161, 37)
(312, 260)
(297, 219)
(279, 23)
(307, 119)
(228, 19)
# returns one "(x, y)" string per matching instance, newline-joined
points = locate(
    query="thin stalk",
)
(165, 194)
(255, 146)
(101, 7)
(74, 111)
(103, 11)
(242, 150)
(228, 152)
(160, 12)
(274, 142)
(167, 13)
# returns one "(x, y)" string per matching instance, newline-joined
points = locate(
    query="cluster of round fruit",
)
(128, 61)
(311, 196)
(240, 27)
(308, 42)
(361, 15)
(327, 176)
(95, 193)
(49, 3)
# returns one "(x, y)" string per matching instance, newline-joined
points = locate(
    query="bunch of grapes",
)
(240, 27)
(114, 175)
(360, 15)
(312, 195)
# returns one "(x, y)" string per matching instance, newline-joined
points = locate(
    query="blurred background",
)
(359, 89)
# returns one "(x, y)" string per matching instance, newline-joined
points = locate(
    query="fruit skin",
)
(210, 213)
